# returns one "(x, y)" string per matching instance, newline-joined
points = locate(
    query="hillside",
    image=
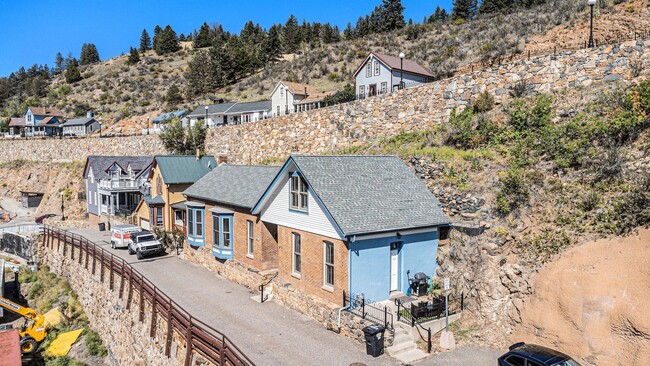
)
(117, 91)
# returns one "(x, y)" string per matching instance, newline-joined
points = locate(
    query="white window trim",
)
(369, 70)
(327, 286)
(250, 228)
(216, 234)
(224, 232)
(301, 192)
(295, 273)
(377, 68)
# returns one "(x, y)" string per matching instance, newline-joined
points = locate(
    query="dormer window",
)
(298, 193)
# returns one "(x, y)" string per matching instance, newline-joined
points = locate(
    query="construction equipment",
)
(33, 331)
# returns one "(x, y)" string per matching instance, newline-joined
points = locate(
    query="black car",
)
(39, 220)
(522, 354)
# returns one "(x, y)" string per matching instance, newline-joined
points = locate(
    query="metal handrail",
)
(200, 337)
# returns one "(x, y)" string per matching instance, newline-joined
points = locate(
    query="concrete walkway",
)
(268, 333)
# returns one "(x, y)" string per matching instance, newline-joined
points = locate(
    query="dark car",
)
(522, 354)
(39, 220)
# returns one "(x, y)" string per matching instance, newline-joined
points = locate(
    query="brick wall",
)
(312, 258)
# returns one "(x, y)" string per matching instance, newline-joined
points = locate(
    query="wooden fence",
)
(200, 338)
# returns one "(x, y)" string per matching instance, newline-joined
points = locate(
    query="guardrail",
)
(201, 338)
(25, 228)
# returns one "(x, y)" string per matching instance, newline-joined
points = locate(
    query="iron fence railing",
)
(418, 312)
(201, 338)
(361, 307)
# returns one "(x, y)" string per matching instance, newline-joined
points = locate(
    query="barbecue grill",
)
(419, 284)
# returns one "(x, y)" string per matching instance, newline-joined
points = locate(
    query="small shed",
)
(31, 199)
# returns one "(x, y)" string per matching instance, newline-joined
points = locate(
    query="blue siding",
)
(218, 250)
(196, 240)
(370, 263)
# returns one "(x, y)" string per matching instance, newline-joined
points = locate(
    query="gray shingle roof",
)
(250, 107)
(100, 164)
(366, 194)
(236, 185)
(180, 169)
(78, 122)
(212, 109)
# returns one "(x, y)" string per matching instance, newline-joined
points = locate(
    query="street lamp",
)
(100, 129)
(206, 116)
(591, 23)
(62, 212)
(147, 125)
(401, 69)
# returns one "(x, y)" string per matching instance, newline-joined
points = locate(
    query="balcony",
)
(119, 184)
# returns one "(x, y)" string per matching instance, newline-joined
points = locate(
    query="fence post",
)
(429, 340)
(130, 295)
(462, 301)
(72, 248)
(152, 331)
(363, 307)
(122, 274)
(110, 279)
(101, 267)
(385, 317)
(141, 313)
(188, 341)
(399, 305)
(65, 243)
(222, 355)
(412, 316)
(168, 340)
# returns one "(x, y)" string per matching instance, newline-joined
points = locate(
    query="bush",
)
(484, 102)
(513, 192)
(63, 361)
(94, 344)
(524, 117)
(36, 290)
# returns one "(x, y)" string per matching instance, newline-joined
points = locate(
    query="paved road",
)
(268, 333)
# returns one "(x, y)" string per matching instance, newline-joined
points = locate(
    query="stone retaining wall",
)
(368, 120)
(123, 334)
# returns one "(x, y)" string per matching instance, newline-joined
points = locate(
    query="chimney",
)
(198, 154)
(90, 114)
(305, 91)
(222, 159)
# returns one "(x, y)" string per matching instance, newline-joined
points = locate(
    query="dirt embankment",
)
(593, 302)
(52, 179)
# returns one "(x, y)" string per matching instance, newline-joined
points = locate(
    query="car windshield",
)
(145, 238)
(568, 362)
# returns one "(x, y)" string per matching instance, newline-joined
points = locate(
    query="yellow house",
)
(170, 175)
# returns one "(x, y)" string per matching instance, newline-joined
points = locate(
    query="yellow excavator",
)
(33, 331)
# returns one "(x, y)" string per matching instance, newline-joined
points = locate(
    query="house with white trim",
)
(380, 74)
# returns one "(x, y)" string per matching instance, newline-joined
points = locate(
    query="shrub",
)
(513, 190)
(36, 290)
(519, 89)
(524, 117)
(484, 102)
(94, 344)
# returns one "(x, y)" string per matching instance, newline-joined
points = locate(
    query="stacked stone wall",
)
(343, 126)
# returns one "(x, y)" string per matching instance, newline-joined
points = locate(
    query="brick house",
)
(220, 220)
(169, 176)
(351, 223)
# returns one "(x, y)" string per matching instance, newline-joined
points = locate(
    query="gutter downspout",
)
(354, 238)
(339, 321)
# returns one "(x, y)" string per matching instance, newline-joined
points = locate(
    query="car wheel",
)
(138, 254)
(130, 250)
(28, 345)
(112, 245)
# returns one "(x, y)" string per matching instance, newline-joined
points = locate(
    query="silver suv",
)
(143, 243)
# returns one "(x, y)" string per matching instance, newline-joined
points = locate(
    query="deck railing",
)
(361, 307)
(201, 338)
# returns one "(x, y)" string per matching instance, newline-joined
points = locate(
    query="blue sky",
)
(34, 31)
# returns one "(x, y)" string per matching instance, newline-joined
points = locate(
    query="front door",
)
(372, 90)
(394, 267)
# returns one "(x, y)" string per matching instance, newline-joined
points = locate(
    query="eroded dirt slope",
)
(589, 303)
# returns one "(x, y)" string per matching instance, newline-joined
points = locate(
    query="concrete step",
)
(411, 356)
(402, 338)
(397, 349)
(256, 297)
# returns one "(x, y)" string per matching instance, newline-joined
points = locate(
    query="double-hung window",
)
(298, 194)
(215, 230)
(225, 232)
(295, 247)
(159, 215)
(368, 70)
(190, 222)
(384, 87)
(251, 238)
(377, 68)
(199, 223)
(362, 91)
(328, 264)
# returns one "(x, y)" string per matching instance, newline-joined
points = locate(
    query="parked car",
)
(144, 243)
(522, 354)
(39, 219)
(121, 235)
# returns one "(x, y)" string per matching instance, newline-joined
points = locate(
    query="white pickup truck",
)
(144, 243)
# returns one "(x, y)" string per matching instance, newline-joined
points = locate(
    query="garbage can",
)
(374, 335)
(101, 226)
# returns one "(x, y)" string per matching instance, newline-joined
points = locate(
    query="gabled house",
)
(380, 74)
(114, 184)
(16, 127)
(289, 97)
(160, 122)
(169, 176)
(247, 112)
(220, 220)
(80, 126)
(214, 114)
(43, 122)
(351, 223)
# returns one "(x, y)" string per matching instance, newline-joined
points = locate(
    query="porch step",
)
(411, 356)
(257, 298)
(399, 348)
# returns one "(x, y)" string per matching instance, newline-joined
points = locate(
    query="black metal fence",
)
(366, 309)
(418, 312)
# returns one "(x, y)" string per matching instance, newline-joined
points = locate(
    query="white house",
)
(288, 97)
(231, 113)
(379, 74)
(80, 126)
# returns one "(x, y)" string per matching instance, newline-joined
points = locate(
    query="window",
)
(515, 361)
(281, 92)
(295, 238)
(190, 222)
(376, 68)
(251, 238)
(368, 70)
(384, 87)
(215, 230)
(225, 232)
(362, 91)
(199, 223)
(278, 112)
(298, 193)
(159, 216)
(178, 216)
(328, 267)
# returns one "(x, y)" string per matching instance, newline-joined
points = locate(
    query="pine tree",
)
(173, 96)
(272, 46)
(157, 31)
(72, 74)
(59, 64)
(464, 9)
(166, 41)
(145, 41)
(198, 75)
(440, 15)
(203, 38)
(134, 56)
(391, 15)
(348, 33)
(89, 54)
(292, 37)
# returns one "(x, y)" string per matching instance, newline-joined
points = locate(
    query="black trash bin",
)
(101, 226)
(374, 335)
